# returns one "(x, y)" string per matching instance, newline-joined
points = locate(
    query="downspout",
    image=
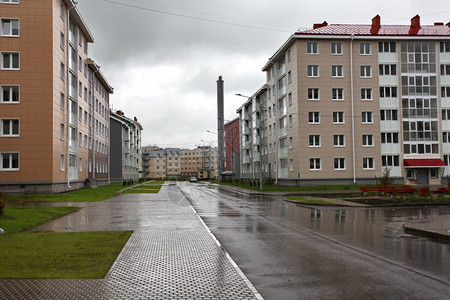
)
(353, 109)
(277, 125)
(68, 94)
(94, 169)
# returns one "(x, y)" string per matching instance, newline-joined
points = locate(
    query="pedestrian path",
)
(170, 255)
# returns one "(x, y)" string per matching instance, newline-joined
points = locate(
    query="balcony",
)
(282, 132)
(283, 152)
(245, 130)
(246, 159)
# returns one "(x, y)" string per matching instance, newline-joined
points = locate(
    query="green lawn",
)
(306, 200)
(17, 219)
(277, 188)
(73, 255)
(83, 195)
(54, 255)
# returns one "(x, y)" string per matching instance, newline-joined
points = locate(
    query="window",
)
(445, 69)
(312, 48)
(290, 143)
(389, 137)
(80, 63)
(446, 114)
(9, 161)
(367, 117)
(446, 137)
(339, 163)
(10, 94)
(289, 76)
(290, 120)
(445, 47)
(445, 91)
(62, 133)
(364, 49)
(337, 71)
(85, 141)
(390, 160)
(339, 140)
(367, 140)
(62, 11)
(10, 27)
(62, 101)
(62, 163)
(290, 98)
(291, 164)
(314, 140)
(336, 48)
(366, 94)
(10, 127)
(80, 139)
(315, 164)
(289, 55)
(313, 71)
(313, 94)
(388, 115)
(338, 117)
(314, 117)
(388, 91)
(366, 71)
(62, 71)
(386, 47)
(368, 163)
(62, 41)
(337, 94)
(388, 69)
(434, 173)
(10, 1)
(10, 61)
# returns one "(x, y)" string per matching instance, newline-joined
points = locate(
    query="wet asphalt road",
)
(293, 252)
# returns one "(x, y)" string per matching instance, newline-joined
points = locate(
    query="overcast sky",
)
(163, 57)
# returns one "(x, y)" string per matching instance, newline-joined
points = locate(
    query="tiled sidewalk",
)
(171, 255)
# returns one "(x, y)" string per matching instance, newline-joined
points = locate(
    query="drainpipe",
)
(93, 126)
(68, 93)
(353, 109)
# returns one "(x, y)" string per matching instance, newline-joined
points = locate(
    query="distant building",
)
(54, 106)
(125, 153)
(232, 149)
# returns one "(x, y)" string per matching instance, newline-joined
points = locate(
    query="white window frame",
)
(11, 60)
(366, 71)
(10, 160)
(337, 71)
(10, 33)
(313, 71)
(314, 117)
(366, 94)
(313, 94)
(339, 164)
(368, 163)
(313, 162)
(10, 133)
(10, 94)
(338, 140)
(335, 94)
(365, 49)
(335, 47)
(367, 140)
(365, 116)
(337, 116)
(314, 140)
(10, 1)
(310, 49)
(62, 162)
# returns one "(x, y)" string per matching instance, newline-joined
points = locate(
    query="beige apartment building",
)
(54, 107)
(345, 102)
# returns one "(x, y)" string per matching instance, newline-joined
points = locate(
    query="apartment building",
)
(125, 149)
(346, 102)
(232, 149)
(54, 100)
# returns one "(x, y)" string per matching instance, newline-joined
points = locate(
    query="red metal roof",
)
(383, 30)
(422, 163)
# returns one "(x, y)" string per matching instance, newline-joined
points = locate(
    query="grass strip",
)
(306, 200)
(141, 191)
(17, 219)
(68, 255)
(83, 195)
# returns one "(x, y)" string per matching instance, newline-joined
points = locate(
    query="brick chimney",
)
(376, 25)
(319, 25)
(415, 25)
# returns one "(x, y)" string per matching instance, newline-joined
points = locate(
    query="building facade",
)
(232, 149)
(48, 132)
(345, 103)
(125, 149)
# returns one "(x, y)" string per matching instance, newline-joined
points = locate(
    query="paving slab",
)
(170, 255)
(437, 227)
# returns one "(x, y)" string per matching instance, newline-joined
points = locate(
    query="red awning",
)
(424, 163)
